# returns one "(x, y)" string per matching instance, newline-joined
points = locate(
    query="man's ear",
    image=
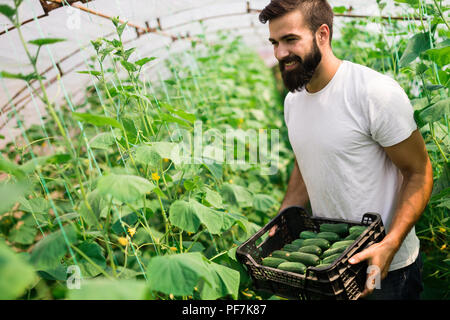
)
(323, 34)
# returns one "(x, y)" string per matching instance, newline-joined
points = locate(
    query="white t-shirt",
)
(337, 135)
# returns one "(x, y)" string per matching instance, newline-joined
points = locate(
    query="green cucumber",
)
(353, 235)
(342, 243)
(307, 234)
(359, 229)
(298, 242)
(332, 251)
(307, 259)
(323, 265)
(296, 267)
(321, 243)
(340, 228)
(272, 261)
(290, 247)
(330, 259)
(280, 254)
(310, 249)
(330, 236)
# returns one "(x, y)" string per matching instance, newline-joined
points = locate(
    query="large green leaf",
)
(104, 140)
(417, 44)
(145, 155)
(15, 274)
(95, 254)
(263, 202)
(439, 55)
(178, 274)
(189, 215)
(237, 195)
(226, 283)
(96, 120)
(124, 187)
(10, 193)
(48, 252)
(31, 165)
(11, 168)
(103, 289)
(436, 111)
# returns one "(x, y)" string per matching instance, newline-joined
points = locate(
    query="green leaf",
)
(10, 193)
(105, 140)
(226, 283)
(96, 204)
(128, 66)
(35, 205)
(145, 155)
(93, 72)
(49, 251)
(213, 198)
(182, 215)
(16, 275)
(143, 61)
(24, 234)
(123, 187)
(436, 111)
(8, 11)
(237, 195)
(417, 44)
(20, 76)
(439, 55)
(104, 289)
(11, 168)
(31, 165)
(263, 202)
(95, 253)
(339, 9)
(168, 150)
(178, 274)
(96, 120)
(45, 41)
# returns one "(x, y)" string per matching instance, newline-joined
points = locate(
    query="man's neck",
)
(325, 71)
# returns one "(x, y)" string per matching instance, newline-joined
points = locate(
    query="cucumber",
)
(321, 243)
(290, 247)
(296, 267)
(330, 236)
(298, 242)
(311, 249)
(359, 229)
(307, 234)
(330, 259)
(353, 235)
(272, 261)
(280, 254)
(332, 251)
(323, 265)
(340, 228)
(307, 259)
(342, 243)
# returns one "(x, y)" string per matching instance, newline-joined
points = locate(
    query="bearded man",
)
(356, 145)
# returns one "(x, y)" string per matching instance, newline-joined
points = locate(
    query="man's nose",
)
(281, 52)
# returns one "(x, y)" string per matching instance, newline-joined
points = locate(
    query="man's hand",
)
(380, 255)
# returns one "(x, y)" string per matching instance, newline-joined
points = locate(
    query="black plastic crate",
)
(339, 281)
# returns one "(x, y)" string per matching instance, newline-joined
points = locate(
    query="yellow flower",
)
(171, 296)
(442, 229)
(123, 241)
(165, 160)
(131, 231)
(155, 176)
(230, 181)
(443, 246)
(173, 248)
(241, 120)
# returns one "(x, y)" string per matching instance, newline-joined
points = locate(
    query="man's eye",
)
(291, 40)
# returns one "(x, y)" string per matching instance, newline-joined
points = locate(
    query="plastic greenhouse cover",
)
(175, 18)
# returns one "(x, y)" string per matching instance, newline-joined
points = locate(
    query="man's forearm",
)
(296, 193)
(413, 198)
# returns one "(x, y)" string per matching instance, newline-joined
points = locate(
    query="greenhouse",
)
(151, 150)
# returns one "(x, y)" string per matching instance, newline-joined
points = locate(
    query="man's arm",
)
(411, 157)
(296, 193)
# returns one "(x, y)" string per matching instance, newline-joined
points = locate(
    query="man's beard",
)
(297, 78)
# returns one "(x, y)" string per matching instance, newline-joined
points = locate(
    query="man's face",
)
(295, 48)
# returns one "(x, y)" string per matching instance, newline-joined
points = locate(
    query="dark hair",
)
(315, 12)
